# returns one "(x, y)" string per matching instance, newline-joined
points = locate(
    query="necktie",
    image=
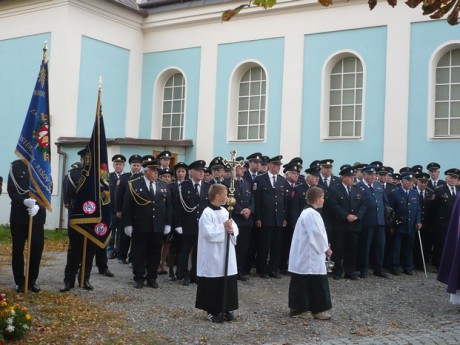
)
(152, 191)
(371, 188)
(326, 180)
(254, 176)
(274, 181)
(197, 192)
(435, 184)
(453, 190)
(421, 194)
(349, 191)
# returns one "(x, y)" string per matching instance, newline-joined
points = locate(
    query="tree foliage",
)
(436, 9)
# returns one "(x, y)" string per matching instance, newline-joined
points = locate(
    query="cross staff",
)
(230, 203)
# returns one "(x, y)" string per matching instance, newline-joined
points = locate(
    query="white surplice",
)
(212, 244)
(309, 244)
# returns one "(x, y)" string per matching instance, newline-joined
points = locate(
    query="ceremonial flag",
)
(33, 146)
(91, 208)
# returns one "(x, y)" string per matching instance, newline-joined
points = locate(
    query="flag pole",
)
(83, 262)
(29, 233)
(230, 203)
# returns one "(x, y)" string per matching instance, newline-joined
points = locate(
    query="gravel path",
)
(372, 307)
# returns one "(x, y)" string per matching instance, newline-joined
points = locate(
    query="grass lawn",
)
(60, 318)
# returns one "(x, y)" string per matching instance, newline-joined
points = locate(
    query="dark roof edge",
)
(140, 11)
(79, 141)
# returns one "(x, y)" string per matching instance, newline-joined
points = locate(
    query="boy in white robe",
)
(309, 288)
(214, 225)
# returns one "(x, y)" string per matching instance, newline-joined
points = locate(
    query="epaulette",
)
(134, 179)
(429, 189)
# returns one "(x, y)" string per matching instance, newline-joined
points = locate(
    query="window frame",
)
(158, 102)
(234, 95)
(328, 66)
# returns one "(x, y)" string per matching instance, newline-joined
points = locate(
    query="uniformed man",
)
(76, 239)
(444, 202)
(299, 162)
(242, 215)
(135, 162)
(207, 175)
(434, 169)
(193, 199)
(217, 170)
(180, 172)
(327, 180)
(147, 215)
(165, 159)
(165, 175)
(22, 208)
(270, 217)
(291, 172)
(373, 224)
(426, 199)
(118, 162)
(299, 199)
(348, 208)
(263, 168)
(254, 160)
(408, 220)
(358, 166)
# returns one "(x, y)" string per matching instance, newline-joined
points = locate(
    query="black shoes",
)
(21, 288)
(107, 273)
(363, 275)
(409, 273)
(275, 275)
(87, 286)
(264, 276)
(112, 256)
(122, 261)
(186, 282)
(228, 316)
(152, 283)
(34, 288)
(395, 273)
(241, 277)
(67, 286)
(138, 285)
(215, 318)
(337, 277)
(381, 275)
(351, 277)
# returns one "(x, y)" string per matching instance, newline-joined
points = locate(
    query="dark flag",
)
(91, 209)
(33, 146)
(449, 268)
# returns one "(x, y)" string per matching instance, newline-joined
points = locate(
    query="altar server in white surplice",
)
(309, 288)
(214, 226)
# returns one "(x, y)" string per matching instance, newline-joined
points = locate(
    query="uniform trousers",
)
(19, 234)
(242, 245)
(371, 235)
(403, 246)
(189, 243)
(75, 254)
(114, 242)
(270, 242)
(125, 243)
(101, 259)
(286, 248)
(345, 247)
(146, 249)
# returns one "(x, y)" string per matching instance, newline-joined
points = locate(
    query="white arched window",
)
(172, 118)
(248, 103)
(447, 95)
(344, 106)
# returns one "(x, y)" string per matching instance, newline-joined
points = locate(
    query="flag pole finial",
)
(100, 83)
(45, 48)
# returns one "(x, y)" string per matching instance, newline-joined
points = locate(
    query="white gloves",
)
(33, 210)
(179, 230)
(129, 230)
(167, 229)
(29, 202)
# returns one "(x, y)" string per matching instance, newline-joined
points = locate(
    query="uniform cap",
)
(417, 168)
(75, 165)
(255, 157)
(404, 169)
(83, 152)
(135, 159)
(422, 176)
(345, 166)
(359, 166)
(313, 171)
(180, 165)
(119, 158)
(407, 175)
(397, 176)
(327, 163)
(276, 160)
(315, 163)
(433, 166)
(150, 161)
(164, 155)
(217, 163)
(164, 171)
(454, 172)
(292, 167)
(370, 169)
(378, 165)
(347, 170)
(264, 160)
(197, 165)
(296, 160)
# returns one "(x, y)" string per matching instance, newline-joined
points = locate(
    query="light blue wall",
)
(370, 44)
(426, 38)
(21, 59)
(270, 54)
(187, 61)
(112, 63)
